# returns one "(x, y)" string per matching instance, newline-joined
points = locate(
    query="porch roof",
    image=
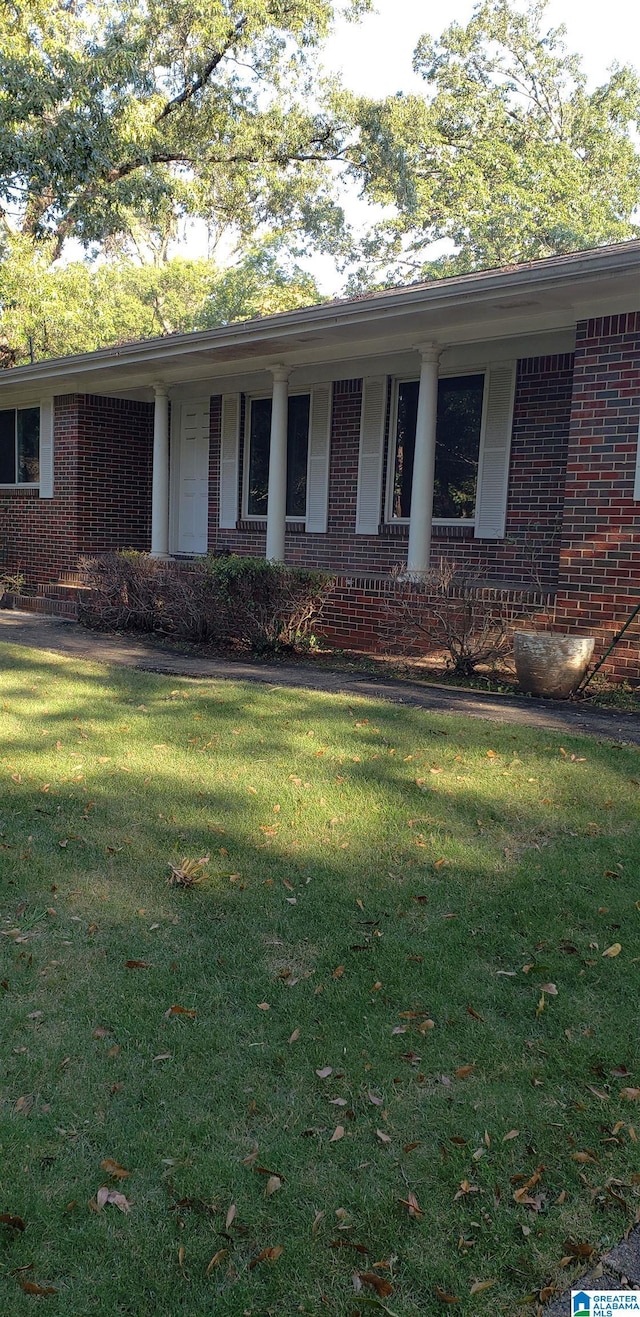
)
(540, 297)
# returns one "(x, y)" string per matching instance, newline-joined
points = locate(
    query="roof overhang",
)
(541, 297)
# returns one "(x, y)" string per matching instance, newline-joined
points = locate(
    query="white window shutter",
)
(46, 448)
(493, 468)
(636, 483)
(318, 461)
(229, 448)
(369, 502)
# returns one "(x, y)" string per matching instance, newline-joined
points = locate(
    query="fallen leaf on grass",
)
(444, 1297)
(216, 1260)
(188, 873)
(584, 1158)
(550, 989)
(412, 1206)
(338, 1133)
(180, 1010)
(324, 1072)
(102, 1032)
(377, 1101)
(30, 1287)
(136, 964)
(581, 1250)
(474, 1014)
(162, 1056)
(13, 1222)
(480, 1285)
(230, 1217)
(294, 1036)
(613, 950)
(263, 1006)
(273, 1184)
(338, 972)
(106, 1195)
(384, 1138)
(383, 1288)
(630, 1094)
(513, 1134)
(267, 1255)
(113, 1169)
(464, 1071)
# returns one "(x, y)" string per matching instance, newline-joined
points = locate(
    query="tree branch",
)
(198, 83)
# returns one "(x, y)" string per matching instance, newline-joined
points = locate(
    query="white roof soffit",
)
(542, 295)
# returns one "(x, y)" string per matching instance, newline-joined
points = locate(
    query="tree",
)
(79, 306)
(508, 157)
(116, 114)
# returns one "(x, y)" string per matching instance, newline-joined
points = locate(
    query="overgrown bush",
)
(231, 600)
(451, 609)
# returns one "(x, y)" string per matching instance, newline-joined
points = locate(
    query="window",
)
(459, 420)
(20, 446)
(257, 484)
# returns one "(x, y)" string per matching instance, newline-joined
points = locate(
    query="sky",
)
(374, 58)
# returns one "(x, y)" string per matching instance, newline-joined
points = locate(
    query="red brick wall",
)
(599, 582)
(538, 455)
(102, 490)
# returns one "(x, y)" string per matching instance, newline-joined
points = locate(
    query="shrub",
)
(228, 600)
(455, 610)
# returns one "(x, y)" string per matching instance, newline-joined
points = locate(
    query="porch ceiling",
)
(543, 296)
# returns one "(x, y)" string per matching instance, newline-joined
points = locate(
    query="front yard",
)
(385, 1053)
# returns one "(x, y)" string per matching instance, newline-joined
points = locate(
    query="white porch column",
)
(277, 498)
(421, 516)
(160, 481)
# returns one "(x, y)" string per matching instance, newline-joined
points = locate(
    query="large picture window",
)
(20, 446)
(257, 484)
(459, 421)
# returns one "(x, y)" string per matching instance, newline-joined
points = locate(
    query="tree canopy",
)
(508, 156)
(115, 113)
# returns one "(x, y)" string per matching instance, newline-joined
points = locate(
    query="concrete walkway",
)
(61, 636)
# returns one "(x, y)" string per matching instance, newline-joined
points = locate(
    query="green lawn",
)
(397, 888)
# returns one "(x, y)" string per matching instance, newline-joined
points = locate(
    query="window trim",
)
(249, 398)
(451, 374)
(636, 479)
(24, 484)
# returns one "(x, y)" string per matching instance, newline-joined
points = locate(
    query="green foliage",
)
(56, 311)
(229, 601)
(508, 156)
(116, 115)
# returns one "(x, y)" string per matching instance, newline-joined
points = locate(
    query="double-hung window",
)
(20, 446)
(257, 456)
(458, 430)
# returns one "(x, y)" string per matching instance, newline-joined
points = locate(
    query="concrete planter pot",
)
(550, 664)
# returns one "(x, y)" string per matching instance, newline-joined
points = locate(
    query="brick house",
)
(492, 419)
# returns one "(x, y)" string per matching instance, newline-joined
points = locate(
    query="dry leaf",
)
(412, 1206)
(384, 1138)
(475, 1015)
(113, 1169)
(550, 989)
(263, 1006)
(464, 1071)
(267, 1255)
(188, 873)
(273, 1184)
(324, 1072)
(513, 1134)
(230, 1217)
(383, 1288)
(613, 950)
(316, 1222)
(584, 1158)
(630, 1094)
(216, 1260)
(162, 1056)
(444, 1297)
(113, 1196)
(180, 1010)
(294, 1036)
(338, 972)
(136, 964)
(13, 1222)
(102, 1031)
(30, 1287)
(377, 1101)
(338, 1133)
(480, 1285)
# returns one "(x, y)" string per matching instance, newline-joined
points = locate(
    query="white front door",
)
(193, 477)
